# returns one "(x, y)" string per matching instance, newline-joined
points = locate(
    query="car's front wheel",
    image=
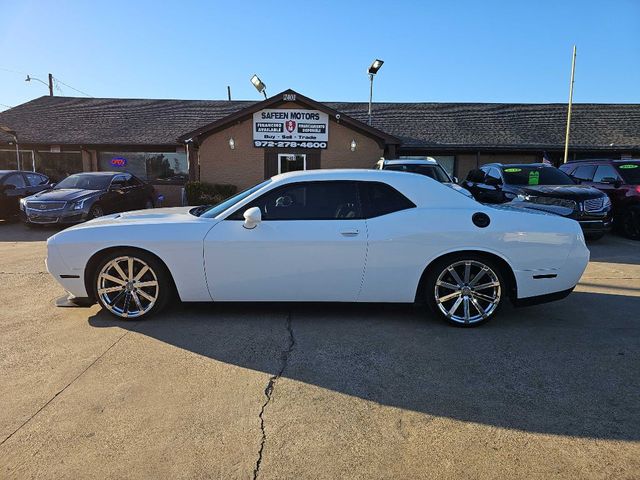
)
(466, 290)
(132, 284)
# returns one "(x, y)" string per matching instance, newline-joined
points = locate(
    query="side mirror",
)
(455, 179)
(52, 185)
(252, 217)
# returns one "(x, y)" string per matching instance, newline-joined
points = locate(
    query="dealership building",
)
(168, 142)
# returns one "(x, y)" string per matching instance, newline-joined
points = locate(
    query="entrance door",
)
(277, 161)
(310, 246)
(290, 162)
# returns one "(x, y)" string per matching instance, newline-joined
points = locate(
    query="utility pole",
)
(50, 85)
(566, 140)
(229, 92)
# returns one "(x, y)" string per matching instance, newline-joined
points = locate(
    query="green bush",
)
(203, 193)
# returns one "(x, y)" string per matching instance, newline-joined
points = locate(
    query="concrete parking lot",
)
(319, 391)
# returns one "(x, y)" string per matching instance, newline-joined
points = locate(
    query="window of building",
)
(381, 199)
(605, 173)
(308, 201)
(288, 162)
(584, 173)
(9, 160)
(58, 165)
(165, 167)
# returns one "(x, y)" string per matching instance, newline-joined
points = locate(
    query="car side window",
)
(584, 172)
(133, 182)
(34, 179)
(308, 201)
(605, 173)
(381, 199)
(118, 182)
(16, 180)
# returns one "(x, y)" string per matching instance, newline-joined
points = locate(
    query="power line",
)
(57, 80)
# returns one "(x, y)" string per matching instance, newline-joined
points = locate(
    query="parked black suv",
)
(542, 187)
(620, 179)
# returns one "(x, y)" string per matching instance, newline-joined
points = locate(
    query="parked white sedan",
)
(325, 236)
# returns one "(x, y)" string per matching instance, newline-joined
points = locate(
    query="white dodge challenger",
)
(325, 236)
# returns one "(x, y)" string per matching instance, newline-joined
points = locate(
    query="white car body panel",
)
(218, 259)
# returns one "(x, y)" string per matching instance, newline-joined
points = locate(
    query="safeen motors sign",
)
(286, 128)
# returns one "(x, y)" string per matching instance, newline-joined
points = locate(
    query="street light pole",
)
(373, 69)
(371, 75)
(566, 138)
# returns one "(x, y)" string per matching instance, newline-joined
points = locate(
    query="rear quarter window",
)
(382, 199)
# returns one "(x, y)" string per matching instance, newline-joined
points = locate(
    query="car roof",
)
(411, 161)
(516, 165)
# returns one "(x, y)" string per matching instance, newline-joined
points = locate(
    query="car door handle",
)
(349, 233)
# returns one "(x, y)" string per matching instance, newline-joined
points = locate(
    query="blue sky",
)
(482, 51)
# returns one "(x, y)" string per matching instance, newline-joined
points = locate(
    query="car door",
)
(310, 246)
(133, 195)
(607, 179)
(14, 188)
(116, 199)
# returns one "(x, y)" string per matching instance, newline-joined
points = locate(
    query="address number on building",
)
(282, 144)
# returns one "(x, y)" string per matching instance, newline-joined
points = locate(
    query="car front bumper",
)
(64, 217)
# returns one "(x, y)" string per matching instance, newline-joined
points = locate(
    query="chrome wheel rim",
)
(468, 291)
(127, 287)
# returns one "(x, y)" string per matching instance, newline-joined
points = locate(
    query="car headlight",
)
(23, 204)
(78, 205)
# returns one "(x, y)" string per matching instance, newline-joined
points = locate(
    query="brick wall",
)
(244, 166)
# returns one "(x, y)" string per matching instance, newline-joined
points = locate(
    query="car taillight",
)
(638, 188)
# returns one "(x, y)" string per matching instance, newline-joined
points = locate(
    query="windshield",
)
(434, 171)
(535, 175)
(85, 182)
(210, 211)
(630, 172)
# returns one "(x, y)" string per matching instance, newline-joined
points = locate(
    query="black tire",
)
(592, 237)
(123, 303)
(95, 212)
(630, 222)
(439, 276)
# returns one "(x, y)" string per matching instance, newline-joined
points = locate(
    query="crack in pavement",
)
(65, 387)
(268, 392)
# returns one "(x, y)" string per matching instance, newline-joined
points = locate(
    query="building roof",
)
(438, 126)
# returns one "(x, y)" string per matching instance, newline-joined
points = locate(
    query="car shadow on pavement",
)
(15, 231)
(568, 368)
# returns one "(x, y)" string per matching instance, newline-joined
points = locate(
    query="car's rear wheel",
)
(466, 290)
(96, 211)
(630, 222)
(132, 284)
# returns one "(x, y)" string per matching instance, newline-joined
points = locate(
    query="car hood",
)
(150, 216)
(569, 192)
(64, 194)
